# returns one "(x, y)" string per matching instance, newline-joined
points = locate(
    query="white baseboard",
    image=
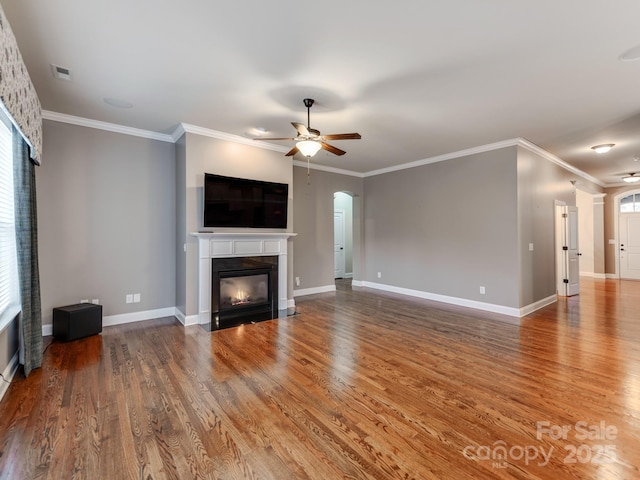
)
(291, 303)
(357, 283)
(593, 275)
(186, 320)
(8, 374)
(182, 318)
(312, 291)
(191, 320)
(538, 305)
(111, 320)
(461, 302)
(612, 276)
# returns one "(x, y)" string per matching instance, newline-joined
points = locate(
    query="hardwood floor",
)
(357, 385)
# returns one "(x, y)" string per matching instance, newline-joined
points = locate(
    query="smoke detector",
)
(61, 73)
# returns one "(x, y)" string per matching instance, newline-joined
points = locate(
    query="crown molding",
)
(514, 142)
(622, 184)
(187, 128)
(443, 157)
(109, 127)
(524, 143)
(324, 168)
(207, 132)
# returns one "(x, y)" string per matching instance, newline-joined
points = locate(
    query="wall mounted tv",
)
(239, 202)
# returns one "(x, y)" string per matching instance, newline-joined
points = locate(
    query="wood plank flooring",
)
(358, 385)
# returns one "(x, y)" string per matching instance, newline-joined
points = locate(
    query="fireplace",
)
(214, 247)
(243, 289)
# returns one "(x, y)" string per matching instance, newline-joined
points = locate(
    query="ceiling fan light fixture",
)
(308, 147)
(631, 178)
(604, 148)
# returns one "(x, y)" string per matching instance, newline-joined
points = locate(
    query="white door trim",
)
(566, 247)
(343, 215)
(616, 227)
(557, 204)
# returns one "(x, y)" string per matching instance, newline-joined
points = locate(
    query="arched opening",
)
(343, 235)
(627, 228)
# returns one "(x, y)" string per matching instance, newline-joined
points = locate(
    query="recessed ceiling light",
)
(604, 148)
(631, 54)
(116, 102)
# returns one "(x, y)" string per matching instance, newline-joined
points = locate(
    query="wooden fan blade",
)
(342, 136)
(292, 152)
(287, 138)
(302, 130)
(332, 149)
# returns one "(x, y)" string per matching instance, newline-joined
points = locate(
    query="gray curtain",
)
(27, 246)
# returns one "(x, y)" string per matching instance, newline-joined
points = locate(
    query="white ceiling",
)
(416, 79)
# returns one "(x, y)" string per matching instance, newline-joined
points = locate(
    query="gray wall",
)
(106, 219)
(584, 202)
(211, 155)
(540, 184)
(313, 222)
(598, 235)
(115, 212)
(181, 224)
(446, 228)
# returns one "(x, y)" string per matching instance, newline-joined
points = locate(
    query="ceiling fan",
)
(310, 141)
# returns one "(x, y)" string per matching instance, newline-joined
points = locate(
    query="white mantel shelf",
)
(238, 244)
(243, 234)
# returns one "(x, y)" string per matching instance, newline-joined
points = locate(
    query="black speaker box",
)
(77, 321)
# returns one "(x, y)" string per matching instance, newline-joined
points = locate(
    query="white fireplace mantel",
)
(230, 244)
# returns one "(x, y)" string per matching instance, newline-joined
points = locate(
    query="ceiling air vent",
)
(61, 73)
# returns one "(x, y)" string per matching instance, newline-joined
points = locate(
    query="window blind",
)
(9, 304)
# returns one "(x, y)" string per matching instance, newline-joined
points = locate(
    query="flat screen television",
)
(240, 202)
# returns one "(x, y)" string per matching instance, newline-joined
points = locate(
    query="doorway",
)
(628, 219)
(338, 243)
(343, 235)
(567, 253)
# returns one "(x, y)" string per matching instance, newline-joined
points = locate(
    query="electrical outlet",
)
(531, 247)
(482, 291)
(379, 274)
(129, 298)
(95, 301)
(297, 281)
(136, 298)
(84, 300)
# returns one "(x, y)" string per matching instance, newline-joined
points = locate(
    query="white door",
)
(629, 224)
(338, 243)
(568, 253)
